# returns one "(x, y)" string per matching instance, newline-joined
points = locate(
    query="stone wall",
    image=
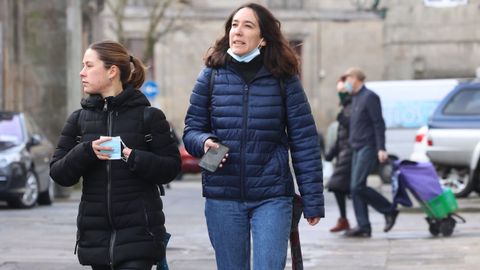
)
(425, 42)
(333, 38)
(411, 42)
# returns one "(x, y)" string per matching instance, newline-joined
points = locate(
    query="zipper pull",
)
(105, 105)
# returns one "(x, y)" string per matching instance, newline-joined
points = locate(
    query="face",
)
(95, 77)
(356, 83)
(245, 32)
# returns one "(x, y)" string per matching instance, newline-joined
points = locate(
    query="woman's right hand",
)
(97, 147)
(210, 143)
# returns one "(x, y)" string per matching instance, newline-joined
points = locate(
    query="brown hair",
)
(278, 57)
(356, 72)
(114, 53)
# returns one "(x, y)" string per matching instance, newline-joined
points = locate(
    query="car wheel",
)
(47, 197)
(459, 181)
(29, 198)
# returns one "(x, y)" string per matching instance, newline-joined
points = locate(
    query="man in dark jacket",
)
(367, 139)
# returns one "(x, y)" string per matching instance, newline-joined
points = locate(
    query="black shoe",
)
(390, 220)
(358, 232)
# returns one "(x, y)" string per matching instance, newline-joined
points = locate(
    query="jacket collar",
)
(129, 97)
(263, 72)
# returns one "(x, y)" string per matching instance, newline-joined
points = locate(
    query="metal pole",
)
(1, 66)
(74, 55)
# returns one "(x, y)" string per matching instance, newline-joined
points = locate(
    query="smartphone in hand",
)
(213, 157)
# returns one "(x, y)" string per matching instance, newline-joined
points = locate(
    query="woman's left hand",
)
(313, 221)
(126, 152)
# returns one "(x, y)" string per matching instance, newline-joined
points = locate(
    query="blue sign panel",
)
(150, 89)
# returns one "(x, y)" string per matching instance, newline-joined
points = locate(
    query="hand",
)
(97, 147)
(210, 143)
(382, 156)
(313, 221)
(126, 152)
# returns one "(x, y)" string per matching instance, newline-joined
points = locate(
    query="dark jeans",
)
(133, 265)
(363, 161)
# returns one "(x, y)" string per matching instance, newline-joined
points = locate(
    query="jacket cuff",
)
(89, 151)
(318, 211)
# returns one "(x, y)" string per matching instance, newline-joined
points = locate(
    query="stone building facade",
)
(42, 43)
(330, 36)
(399, 39)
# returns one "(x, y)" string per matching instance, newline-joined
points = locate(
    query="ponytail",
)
(137, 76)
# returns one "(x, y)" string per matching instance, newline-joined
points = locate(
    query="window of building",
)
(285, 4)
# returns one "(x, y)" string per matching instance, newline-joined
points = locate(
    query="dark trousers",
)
(133, 265)
(363, 161)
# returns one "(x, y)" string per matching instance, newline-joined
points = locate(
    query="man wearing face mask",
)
(367, 139)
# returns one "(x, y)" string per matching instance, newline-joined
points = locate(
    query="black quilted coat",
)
(120, 216)
(340, 179)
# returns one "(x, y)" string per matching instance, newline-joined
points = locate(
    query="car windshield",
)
(465, 102)
(10, 129)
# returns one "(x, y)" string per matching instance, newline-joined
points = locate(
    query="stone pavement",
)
(409, 245)
(43, 238)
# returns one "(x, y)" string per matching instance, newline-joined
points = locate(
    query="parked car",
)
(454, 139)
(189, 162)
(420, 146)
(24, 162)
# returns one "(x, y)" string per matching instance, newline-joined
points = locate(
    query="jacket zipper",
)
(244, 139)
(109, 190)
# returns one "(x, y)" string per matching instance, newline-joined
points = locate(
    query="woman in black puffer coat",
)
(339, 182)
(120, 218)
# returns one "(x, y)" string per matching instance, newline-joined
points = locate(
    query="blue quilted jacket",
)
(253, 120)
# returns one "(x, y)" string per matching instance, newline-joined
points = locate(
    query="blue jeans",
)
(363, 161)
(230, 223)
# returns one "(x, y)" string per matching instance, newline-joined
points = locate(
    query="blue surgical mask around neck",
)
(247, 57)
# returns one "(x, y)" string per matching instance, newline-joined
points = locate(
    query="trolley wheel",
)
(447, 225)
(433, 226)
(434, 229)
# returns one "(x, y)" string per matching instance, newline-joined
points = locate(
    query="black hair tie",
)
(131, 58)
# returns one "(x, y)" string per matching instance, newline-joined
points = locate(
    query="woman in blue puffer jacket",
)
(249, 98)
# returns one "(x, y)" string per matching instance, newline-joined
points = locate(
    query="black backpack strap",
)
(78, 139)
(147, 130)
(210, 88)
(147, 123)
(283, 94)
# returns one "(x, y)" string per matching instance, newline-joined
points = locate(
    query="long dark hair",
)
(278, 57)
(114, 53)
